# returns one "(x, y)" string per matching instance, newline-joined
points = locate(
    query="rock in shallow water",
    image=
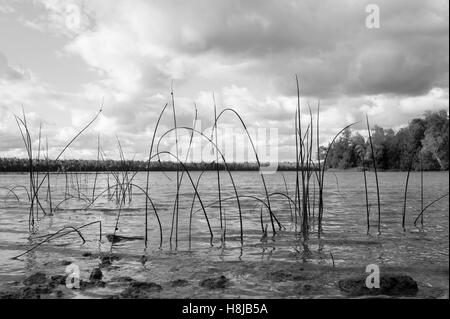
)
(390, 285)
(281, 275)
(106, 261)
(96, 274)
(37, 286)
(35, 279)
(30, 292)
(57, 280)
(215, 283)
(91, 284)
(118, 238)
(139, 290)
(122, 279)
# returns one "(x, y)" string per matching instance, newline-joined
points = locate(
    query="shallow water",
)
(422, 253)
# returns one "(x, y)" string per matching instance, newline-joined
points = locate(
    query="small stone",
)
(140, 290)
(215, 283)
(143, 259)
(91, 284)
(304, 289)
(96, 274)
(36, 279)
(57, 280)
(123, 279)
(279, 276)
(145, 285)
(106, 261)
(390, 285)
(59, 293)
(118, 238)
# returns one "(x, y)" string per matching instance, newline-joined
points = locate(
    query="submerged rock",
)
(37, 286)
(390, 285)
(279, 275)
(283, 275)
(179, 283)
(66, 263)
(91, 284)
(306, 289)
(106, 261)
(140, 290)
(215, 283)
(35, 279)
(123, 279)
(30, 292)
(143, 259)
(117, 238)
(96, 274)
(57, 280)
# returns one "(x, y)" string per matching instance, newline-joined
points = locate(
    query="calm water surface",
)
(421, 252)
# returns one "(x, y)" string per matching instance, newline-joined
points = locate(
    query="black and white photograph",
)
(224, 153)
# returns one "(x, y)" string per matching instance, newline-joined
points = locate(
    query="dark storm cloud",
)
(328, 43)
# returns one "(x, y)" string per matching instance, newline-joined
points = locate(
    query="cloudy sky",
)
(60, 59)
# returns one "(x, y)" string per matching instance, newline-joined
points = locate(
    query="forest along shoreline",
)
(422, 145)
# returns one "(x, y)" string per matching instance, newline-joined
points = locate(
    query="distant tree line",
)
(23, 165)
(424, 140)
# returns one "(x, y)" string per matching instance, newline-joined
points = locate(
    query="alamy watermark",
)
(373, 279)
(373, 17)
(235, 145)
(73, 276)
(73, 17)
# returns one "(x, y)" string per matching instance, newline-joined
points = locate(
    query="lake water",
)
(422, 253)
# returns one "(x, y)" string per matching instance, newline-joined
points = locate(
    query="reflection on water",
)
(344, 242)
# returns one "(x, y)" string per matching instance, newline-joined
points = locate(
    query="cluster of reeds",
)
(308, 194)
(37, 181)
(306, 168)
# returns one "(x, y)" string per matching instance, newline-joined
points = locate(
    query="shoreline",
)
(223, 170)
(218, 279)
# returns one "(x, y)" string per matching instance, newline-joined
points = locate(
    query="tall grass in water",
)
(421, 187)
(192, 210)
(180, 180)
(123, 180)
(35, 183)
(271, 213)
(223, 231)
(34, 189)
(411, 161)
(304, 166)
(301, 164)
(96, 171)
(224, 162)
(178, 171)
(148, 176)
(428, 206)
(49, 190)
(362, 153)
(302, 205)
(376, 174)
(321, 179)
